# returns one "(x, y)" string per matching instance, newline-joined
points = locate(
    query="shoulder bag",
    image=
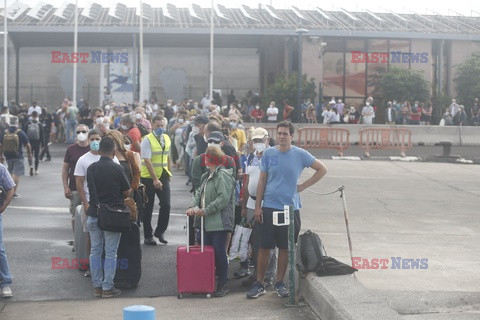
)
(112, 218)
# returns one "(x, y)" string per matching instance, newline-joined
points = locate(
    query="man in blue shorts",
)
(280, 170)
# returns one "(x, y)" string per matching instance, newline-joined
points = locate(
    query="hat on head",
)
(216, 136)
(259, 133)
(201, 120)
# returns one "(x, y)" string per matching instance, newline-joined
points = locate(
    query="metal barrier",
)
(391, 138)
(315, 137)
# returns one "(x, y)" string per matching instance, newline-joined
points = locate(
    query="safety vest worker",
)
(155, 175)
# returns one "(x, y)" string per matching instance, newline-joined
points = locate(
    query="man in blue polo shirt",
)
(280, 170)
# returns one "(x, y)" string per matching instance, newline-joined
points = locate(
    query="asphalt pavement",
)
(37, 228)
(396, 209)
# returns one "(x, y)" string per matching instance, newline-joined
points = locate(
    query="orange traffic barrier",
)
(319, 137)
(381, 138)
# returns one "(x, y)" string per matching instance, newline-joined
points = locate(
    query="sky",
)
(463, 7)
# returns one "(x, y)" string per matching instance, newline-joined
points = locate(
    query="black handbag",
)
(112, 218)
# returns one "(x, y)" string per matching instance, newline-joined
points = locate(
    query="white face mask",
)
(128, 147)
(138, 116)
(180, 120)
(99, 120)
(82, 137)
(260, 147)
(213, 144)
(195, 130)
(124, 127)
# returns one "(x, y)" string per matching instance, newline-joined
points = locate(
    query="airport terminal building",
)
(344, 52)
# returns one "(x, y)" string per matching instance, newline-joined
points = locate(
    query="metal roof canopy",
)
(15, 10)
(40, 11)
(247, 20)
(119, 11)
(92, 11)
(65, 11)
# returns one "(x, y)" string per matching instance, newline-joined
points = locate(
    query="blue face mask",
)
(158, 132)
(95, 145)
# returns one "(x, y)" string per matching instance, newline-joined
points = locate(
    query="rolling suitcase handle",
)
(201, 233)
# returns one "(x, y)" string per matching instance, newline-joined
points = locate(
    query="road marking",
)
(51, 209)
(65, 209)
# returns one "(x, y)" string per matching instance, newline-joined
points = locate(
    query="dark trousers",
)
(164, 212)
(217, 239)
(35, 150)
(46, 150)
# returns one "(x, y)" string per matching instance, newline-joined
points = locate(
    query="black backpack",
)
(143, 129)
(311, 257)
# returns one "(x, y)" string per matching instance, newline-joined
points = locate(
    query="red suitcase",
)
(195, 268)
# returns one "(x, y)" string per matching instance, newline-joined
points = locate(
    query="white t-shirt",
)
(274, 111)
(81, 169)
(34, 108)
(253, 172)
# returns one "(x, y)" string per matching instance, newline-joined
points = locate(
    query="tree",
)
(403, 84)
(285, 87)
(468, 81)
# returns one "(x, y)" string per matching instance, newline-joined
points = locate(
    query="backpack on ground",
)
(33, 131)
(11, 143)
(311, 257)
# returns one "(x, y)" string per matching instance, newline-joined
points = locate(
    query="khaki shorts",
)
(74, 202)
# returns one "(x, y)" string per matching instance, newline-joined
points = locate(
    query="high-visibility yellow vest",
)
(159, 156)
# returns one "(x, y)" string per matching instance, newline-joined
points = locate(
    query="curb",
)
(344, 298)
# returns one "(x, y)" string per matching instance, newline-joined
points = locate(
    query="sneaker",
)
(97, 292)
(256, 290)
(222, 292)
(111, 293)
(87, 274)
(241, 272)
(31, 171)
(16, 196)
(37, 172)
(7, 292)
(281, 289)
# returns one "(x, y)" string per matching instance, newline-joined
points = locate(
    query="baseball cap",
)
(201, 120)
(216, 136)
(259, 133)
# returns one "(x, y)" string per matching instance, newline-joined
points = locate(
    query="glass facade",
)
(353, 67)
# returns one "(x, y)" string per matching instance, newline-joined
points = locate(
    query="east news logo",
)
(396, 263)
(93, 57)
(384, 57)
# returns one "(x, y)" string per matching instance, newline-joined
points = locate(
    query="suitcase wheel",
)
(179, 296)
(209, 295)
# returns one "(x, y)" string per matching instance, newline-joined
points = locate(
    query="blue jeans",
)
(71, 126)
(217, 239)
(102, 277)
(5, 276)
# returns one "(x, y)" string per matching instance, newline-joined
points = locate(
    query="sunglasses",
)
(81, 131)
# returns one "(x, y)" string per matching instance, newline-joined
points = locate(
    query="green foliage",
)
(403, 84)
(468, 81)
(285, 87)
